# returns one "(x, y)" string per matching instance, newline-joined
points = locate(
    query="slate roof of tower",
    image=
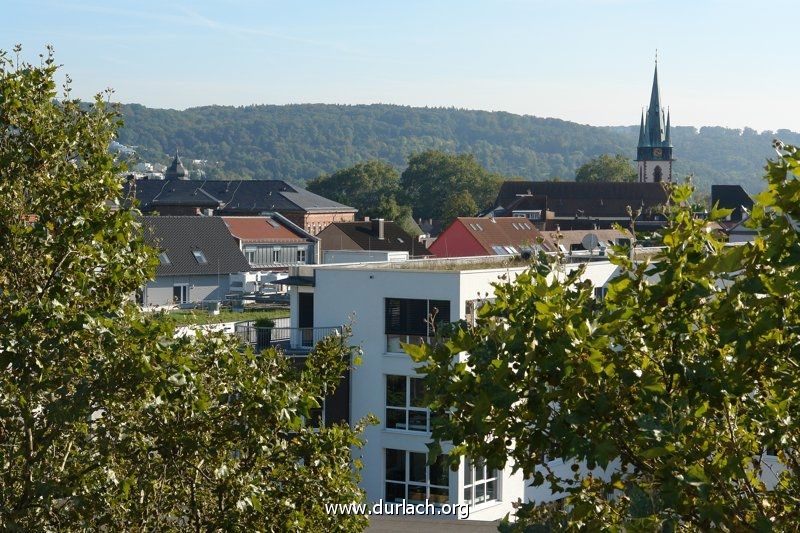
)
(656, 124)
(179, 236)
(246, 197)
(176, 170)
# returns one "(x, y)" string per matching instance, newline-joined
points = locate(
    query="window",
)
(180, 293)
(409, 477)
(405, 408)
(250, 254)
(480, 482)
(407, 320)
(301, 255)
(164, 258)
(276, 255)
(200, 257)
(600, 293)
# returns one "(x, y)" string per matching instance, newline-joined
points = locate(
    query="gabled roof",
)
(494, 234)
(586, 199)
(246, 197)
(731, 197)
(364, 235)
(180, 237)
(267, 229)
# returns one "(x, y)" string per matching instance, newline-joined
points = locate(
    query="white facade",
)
(654, 171)
(357, 294)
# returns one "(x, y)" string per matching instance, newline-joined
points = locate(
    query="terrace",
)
(291, 341)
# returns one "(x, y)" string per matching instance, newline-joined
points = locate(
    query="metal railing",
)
(287, 338)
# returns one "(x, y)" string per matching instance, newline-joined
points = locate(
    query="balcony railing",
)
(290, 340)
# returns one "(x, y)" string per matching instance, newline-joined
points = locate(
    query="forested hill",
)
(299, 142)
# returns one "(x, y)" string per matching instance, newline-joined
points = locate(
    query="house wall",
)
(206, 288)
(316, 222)
(357, 295)
(360, 293)
(456, 241)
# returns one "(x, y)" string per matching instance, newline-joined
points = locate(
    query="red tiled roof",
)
(504, 231)
(261, 229)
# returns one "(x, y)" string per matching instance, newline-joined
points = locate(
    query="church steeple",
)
(176, 171)
(654, 151)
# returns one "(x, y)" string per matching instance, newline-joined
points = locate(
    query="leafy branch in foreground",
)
(106, 419)
(663, 401)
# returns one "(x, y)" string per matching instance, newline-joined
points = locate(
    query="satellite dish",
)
(590, 241)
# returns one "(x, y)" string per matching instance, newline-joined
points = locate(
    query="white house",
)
(388, 303)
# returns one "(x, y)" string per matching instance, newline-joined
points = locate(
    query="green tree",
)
(107, 420)
(372, 187)
(432, 176)
(677, 383)
(606, 168)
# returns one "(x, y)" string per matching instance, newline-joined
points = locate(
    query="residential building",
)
(272, 242)
(654, 151)
(475, 236)
(237, 198)
(732, 197)
(368, 235)
(388, 304)
(197, 256)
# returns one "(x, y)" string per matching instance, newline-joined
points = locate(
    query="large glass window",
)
(405, 406)
(407, 320)
(409, 477)
(480, 482)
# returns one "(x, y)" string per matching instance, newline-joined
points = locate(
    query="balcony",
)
(292, 341)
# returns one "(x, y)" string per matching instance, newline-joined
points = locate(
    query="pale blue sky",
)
(727, 63)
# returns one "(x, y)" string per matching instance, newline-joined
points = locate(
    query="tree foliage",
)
(107, 420)
(606, 168)
(664, 398)
(372, 187)
(443, 186)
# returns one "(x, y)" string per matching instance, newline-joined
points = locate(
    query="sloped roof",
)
(266, 229)
(575, 237)
(365, 236)
(245, 197)
(586, 199)
(504, 231)
(730, 197)
(179, 237)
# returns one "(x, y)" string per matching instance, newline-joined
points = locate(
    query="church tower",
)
(654, 153)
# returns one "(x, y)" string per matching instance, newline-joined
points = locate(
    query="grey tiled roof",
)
(179, 237)
(233, 197)
(591, 199)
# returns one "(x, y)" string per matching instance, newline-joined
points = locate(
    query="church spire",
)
(667, 141)
(655, 116)
(642, 136)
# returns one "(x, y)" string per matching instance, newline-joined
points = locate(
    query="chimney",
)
(377, 228)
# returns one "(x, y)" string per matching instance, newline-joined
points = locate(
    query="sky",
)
(721, 63)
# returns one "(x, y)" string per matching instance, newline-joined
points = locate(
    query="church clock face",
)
(656, 152)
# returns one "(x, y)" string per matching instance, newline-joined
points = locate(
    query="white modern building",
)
(387, 304)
